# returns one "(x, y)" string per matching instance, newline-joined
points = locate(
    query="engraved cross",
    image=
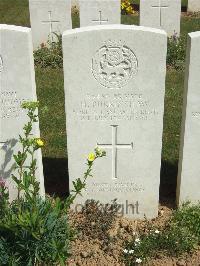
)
(50, 22)
(114, 147)
(100, 20)
(160, 6)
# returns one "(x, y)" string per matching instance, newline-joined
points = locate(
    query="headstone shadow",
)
(56, 178)
(7, 150)
(168, 181)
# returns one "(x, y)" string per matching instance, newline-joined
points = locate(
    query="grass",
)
(14, 12)
(51, 94)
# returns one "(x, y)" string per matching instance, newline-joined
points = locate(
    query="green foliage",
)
(26, 180)
(188, 217)
(176, 52)
(181, 234)
(36, 234)
(4, 197)
(50, 54)
(33, 230)
(79, 184)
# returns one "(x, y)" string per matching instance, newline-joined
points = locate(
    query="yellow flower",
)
(123, 5)
(129, 10)
(39, 142)
(91, 157)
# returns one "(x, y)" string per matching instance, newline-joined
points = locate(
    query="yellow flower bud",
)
(39, 142)
(91, 157)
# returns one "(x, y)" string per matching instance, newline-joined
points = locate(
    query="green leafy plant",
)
(50, 54)
(181, 234)
(36, 234)
(4, 198)
(26, 179)
(33, 230)
(176, 52)
(79, 184)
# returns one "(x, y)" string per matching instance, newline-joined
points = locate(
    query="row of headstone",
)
(49, 16)
(17, 84)
(119, 108)
(193, 5)
(54, 16)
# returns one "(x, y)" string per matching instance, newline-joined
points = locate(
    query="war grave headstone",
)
(161, 14)
(47, 18)
(99, 12)
(189, 167)
(116, 103)
(17, 84)
(193, 5)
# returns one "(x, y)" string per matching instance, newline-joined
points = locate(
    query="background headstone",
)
(161, 14)
(48, 17)
(189, 166)
(116, 102)
(193, 5)
(99, 12)
(17, 84)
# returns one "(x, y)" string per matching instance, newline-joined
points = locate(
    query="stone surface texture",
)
(161, 14)
(99, 12)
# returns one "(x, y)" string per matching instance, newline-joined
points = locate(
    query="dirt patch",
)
(105, 247)
(191, 14)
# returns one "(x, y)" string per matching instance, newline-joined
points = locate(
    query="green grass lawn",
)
(51, 94)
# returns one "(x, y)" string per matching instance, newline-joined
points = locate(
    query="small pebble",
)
(181, 263)
(84, 254)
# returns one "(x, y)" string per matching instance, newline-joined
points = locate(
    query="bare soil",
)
(94, 246)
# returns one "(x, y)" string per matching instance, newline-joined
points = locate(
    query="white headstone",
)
(161, 14)
(114, 95)
(48, 17)
(99, 12)
(17, 84)
(193, 5)
(189, 166)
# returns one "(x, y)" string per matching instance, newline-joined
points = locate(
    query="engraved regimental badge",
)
(1, 64)
(114, 64)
